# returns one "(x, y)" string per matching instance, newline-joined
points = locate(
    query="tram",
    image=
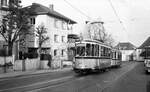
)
(91, 55)
(116, 58)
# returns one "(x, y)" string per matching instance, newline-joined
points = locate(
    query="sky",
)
(133, 14)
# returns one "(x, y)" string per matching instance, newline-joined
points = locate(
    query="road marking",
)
(39, 83)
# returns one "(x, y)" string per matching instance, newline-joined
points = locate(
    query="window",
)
(69, 26)
(80, 50)
(102, 51)
(96, 50)
(93, 50)
(99, 50)
(106, 52)
(62, 52)
(56, 23)
(88, 49)
(4, 3)
(119, 56)
(55, 52)
(114, 55)
(64, 25)
(32, 21)
(63, 38)
(109, 52)
(56, 38)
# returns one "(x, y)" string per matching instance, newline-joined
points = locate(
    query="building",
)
(72, 38)
(127, 49)
(137, 55)
(144, 49)
(58, 27)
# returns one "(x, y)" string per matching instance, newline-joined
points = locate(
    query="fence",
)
(27, 64)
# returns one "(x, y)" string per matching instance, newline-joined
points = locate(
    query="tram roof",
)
(115, 50)
(93, 41)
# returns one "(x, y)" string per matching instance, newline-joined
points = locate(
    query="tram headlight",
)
(79, 64)
(82, 66)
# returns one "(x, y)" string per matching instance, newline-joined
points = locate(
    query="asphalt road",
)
(135, 80)
(130, 77)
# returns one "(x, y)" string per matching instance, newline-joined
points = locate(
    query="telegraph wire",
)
(116, 14)
(77, 9)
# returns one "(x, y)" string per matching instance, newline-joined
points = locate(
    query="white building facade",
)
(57, 26)
(127, 49)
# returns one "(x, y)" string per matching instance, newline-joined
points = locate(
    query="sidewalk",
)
(32, 72)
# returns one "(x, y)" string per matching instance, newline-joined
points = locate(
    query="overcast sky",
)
(134, 14)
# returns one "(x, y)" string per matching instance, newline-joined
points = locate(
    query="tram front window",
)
(88, 50)
(80, 51)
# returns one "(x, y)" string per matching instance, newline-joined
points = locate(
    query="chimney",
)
(51, 7)
(87, 22)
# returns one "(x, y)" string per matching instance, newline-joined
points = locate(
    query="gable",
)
(125, 46)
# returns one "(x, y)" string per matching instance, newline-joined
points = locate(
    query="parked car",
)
(147, 65)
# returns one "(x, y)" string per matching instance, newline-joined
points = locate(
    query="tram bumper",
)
(81, 69)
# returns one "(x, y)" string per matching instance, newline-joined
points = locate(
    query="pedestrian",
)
(49, 60)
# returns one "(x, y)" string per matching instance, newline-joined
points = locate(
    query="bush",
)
(30, 55)
(44, 57)
(8, 64)
(3, 53)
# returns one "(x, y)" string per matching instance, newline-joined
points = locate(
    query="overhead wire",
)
(111, 4)
(77, 9)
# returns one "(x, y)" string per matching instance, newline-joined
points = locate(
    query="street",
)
(130, 77)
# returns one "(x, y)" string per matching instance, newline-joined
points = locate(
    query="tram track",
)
(73, 80)
(62, 81)
(39, 85)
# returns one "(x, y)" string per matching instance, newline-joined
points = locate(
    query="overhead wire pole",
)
(117, 15)
(77, 9)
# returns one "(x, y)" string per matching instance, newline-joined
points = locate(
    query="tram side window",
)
(109, 52)
(96, 50)
(88, 49)
(119, 56)
(105, 51)
(99, 50)
(80, 51)
(113, 55)
(92, 49)
(116, 55)
(102, 51)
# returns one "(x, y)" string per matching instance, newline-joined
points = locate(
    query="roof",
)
(145, 44)
(125, 46)
(74, 36)
(38, 9)
(93, 41)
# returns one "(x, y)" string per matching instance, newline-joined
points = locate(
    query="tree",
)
(41, 34)
(97, 31)
(14, 24)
